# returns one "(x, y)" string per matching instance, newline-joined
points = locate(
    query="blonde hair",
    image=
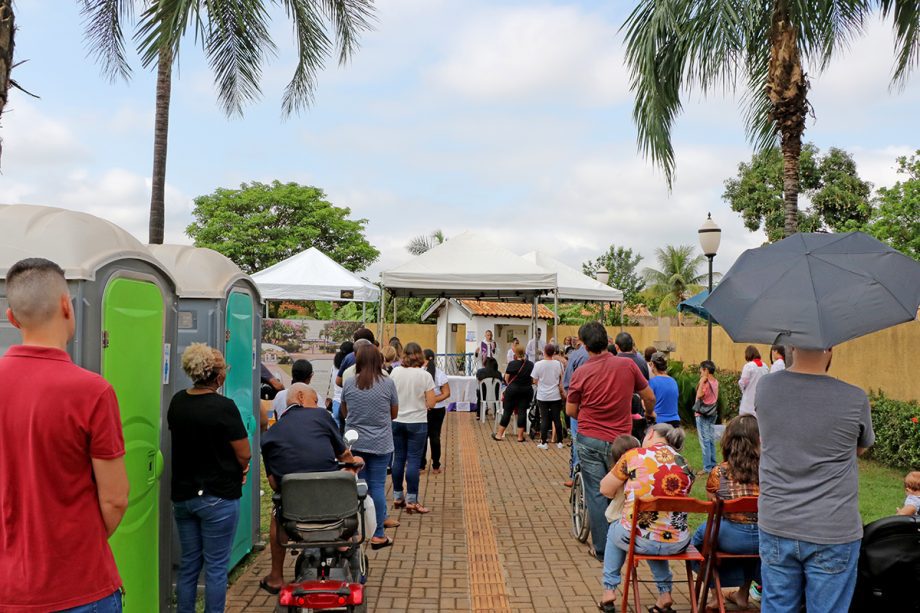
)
(519, 351)
(202, 363)
(912, 481)
(390, 354)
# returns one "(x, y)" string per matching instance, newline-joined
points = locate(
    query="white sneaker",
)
(542, 446)
(559, 445)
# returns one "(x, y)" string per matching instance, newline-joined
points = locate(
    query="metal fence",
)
(457, 363)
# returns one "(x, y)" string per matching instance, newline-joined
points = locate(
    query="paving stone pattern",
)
(523, 559)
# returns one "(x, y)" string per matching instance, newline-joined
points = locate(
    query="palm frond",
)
(348, 19)
(236, 43)
(906, 14)
(102, 22)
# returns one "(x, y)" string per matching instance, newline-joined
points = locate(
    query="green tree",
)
(840, 199)
(236, 38)
(678, 274)
(621, 263)
(675, 45)
(7, 36)
(897, 219)
(424, 242)
(259, 225)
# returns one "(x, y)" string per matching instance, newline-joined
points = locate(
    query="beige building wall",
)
(883, 361)
(425, 335)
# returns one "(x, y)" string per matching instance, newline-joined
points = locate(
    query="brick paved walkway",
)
(498, 538)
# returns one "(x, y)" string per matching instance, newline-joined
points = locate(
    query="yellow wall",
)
(883, 361)
(423, 334)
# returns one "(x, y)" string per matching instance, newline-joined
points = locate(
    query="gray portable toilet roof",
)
(79, 243)
(201, 272)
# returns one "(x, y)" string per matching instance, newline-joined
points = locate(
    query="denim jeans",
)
(618, 549)
(594, 456)
(573, 428)
(410, 441)
(824, 574)
(109, 604)
(206, 527)
(707, 440)
(737, 538)
(375, 473)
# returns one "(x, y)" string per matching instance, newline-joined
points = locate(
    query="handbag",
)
(706, 410)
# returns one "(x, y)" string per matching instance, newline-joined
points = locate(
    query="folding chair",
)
(714, 557)
(672, 504)
(489, 396)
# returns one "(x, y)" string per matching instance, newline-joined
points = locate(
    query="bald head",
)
(302, 394)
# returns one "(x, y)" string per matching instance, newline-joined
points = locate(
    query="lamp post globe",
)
(710, 236)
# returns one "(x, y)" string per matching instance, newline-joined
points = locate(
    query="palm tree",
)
(7, 34)
(236, 39)
(677, 44)
(423, 242)
(678, 275)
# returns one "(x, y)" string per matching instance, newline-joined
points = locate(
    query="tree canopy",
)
(621, 263)
(418, 245)
(839, 199)
(897, 217)
(259, 225)
(677, 276)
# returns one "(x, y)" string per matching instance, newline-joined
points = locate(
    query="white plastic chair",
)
(489, 396)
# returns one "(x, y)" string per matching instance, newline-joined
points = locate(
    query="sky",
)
(511, 118)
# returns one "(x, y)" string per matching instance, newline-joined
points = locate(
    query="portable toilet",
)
(125, 306)
(219, 305)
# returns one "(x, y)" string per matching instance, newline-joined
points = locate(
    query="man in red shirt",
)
(63, 484)
(600, 398)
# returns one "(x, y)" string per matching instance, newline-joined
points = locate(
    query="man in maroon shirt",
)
(63, 484)
(600, 398)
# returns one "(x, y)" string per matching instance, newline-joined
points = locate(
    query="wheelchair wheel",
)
(580, 527)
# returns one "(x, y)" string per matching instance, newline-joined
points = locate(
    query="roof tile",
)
(506, 309)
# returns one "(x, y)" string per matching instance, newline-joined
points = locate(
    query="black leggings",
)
(550, 414)
(516, 398)
(435, 421)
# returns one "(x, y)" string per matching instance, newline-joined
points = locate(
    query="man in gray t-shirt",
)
(812, 427)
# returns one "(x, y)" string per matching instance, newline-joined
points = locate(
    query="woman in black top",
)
(210, 459)
(518, 394)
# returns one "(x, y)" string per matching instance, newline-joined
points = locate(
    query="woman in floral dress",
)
(655, 469)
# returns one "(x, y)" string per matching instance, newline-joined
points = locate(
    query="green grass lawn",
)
(881, 489)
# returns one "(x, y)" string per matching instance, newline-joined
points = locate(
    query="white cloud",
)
(535, 53)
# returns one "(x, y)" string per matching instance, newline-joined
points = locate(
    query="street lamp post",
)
(710, 237)
(602, 276)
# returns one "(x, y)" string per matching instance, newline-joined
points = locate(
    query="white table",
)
(462, 392)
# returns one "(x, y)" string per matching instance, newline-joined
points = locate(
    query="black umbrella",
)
(816, 291)
(694, 305)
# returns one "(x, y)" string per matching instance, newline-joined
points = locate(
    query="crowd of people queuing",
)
(794, 445)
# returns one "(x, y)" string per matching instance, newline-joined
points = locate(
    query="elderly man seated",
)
(305, 440)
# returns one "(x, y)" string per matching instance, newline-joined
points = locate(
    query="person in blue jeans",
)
(369, 403)
(210, 460)
(110, 604)
(812, 428)
(576, 358)
(415, 390)
(600, 397)
(707, 392)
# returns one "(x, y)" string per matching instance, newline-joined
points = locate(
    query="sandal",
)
(399, 503)
(263, 585)
(608, 606)
(414, 507)
(380, 545)
(657, 609)
(497, 438)
(390, 523)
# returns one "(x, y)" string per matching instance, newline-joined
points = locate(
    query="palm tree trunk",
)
(787, 88)
(7, 31)
(160, 137)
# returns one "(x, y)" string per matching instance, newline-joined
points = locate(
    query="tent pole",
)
(533, 330)
(556, 316)
(446, 332)
(381, 314)
(364, 313)
(395, 322)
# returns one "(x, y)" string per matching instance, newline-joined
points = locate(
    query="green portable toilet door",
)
(239, 388)
(132, 361)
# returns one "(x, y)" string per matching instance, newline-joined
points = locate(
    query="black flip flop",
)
(386, 543)
(607, 607)
(495, 438)
(657, 609)
(265, 586)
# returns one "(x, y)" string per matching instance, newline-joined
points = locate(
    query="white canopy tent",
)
(469, 266)
(312, 275)
(572, 284)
